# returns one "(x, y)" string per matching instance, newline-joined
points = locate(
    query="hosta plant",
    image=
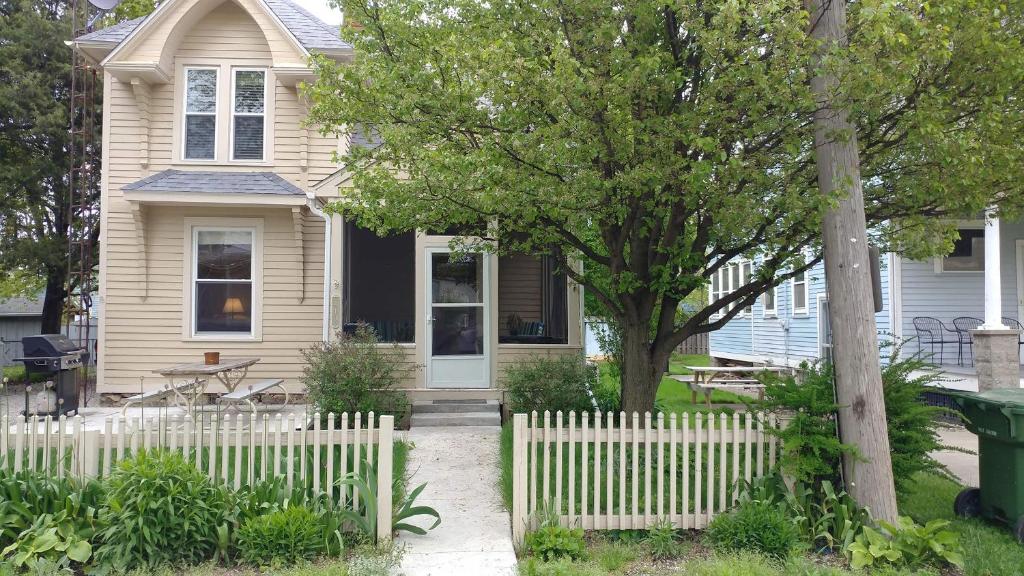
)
(907, 544)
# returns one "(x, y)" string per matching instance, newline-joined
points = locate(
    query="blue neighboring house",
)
(790, 325)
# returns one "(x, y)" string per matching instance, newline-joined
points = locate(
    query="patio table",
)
(705, 379)
(229, 372)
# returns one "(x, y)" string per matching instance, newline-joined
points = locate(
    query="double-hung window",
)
(248, 109)
(747, 269)
(222, 281)
(800, 294)
(200, 141)
(769, 299)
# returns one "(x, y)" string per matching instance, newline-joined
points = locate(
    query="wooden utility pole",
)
(847, 272)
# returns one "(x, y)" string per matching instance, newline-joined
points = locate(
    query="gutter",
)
(314, 207)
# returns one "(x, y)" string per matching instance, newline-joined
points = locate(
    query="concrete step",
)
(454, 406)
(456, 419)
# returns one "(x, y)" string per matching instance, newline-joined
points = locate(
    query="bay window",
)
(200, 141)
(248, 108)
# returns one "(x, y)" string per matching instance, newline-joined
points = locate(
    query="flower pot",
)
(211, 358)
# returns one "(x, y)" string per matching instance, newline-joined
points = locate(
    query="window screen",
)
(200, 113)
(380, 283)
(248, 114)
(532, 301)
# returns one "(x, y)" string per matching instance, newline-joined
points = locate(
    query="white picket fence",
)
(236, 450)
(599, 474)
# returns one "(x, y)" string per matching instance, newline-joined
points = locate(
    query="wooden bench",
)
(176, 391)
(246, 393)
(718, 384)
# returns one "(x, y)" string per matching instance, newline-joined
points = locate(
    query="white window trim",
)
(803, 311)
(822, 298)
(185, 114)
(773, 311)
(939, 260)
(744, 265)
(192, 228)
(231, 109)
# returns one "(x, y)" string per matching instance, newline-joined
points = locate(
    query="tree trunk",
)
(641, 370)
(53, 302)
(847, 272)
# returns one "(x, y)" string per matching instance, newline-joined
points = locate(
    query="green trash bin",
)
(997, 417)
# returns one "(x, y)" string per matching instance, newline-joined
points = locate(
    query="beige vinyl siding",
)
(160, 41)
(512, 354)
(143, 334)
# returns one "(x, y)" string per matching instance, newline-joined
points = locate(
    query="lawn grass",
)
(989, 548)
(674, 396)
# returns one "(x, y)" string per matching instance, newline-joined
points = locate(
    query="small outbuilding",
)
(18, 317)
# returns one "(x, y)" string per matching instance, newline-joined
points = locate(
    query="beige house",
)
(213, 231)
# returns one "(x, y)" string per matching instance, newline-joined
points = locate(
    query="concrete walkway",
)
(963, 466)
(460, 467)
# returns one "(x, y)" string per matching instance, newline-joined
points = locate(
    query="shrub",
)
(283, 537)
(355, 373)
(161, 510)
(550, 383)
(913, 424)
(756, 526)
(811, 451)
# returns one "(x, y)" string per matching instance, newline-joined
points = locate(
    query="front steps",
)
(471, 412)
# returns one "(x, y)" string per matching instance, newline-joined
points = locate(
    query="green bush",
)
(811, 451)
(550, 383)
(161, 510)
(756, 526)
(355, 373)
(913, 424)
(551, 541)
(281, 538)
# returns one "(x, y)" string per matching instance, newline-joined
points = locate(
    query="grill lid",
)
(48, 345)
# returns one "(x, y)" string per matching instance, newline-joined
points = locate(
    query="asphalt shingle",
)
(215, 183)
(310, 31)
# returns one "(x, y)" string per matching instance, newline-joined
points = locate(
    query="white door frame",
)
(485, 358)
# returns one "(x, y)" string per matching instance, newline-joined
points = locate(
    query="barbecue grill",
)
(57, 357)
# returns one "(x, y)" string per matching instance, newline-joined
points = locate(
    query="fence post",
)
(519, 449)
(385, 456)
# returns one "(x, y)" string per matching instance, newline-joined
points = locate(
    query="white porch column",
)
(993, 282)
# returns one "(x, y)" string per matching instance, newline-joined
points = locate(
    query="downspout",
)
(314, 207)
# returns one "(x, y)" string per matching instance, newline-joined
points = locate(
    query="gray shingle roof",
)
(115, 33)
(22, 306)
(215, 183)
(310, 31)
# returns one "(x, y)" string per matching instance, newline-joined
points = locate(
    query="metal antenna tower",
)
(83, 203)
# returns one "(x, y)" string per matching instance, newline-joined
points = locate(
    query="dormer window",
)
(200, 114)
(248, 98)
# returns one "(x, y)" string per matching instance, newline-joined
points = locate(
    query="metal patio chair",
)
(963, 326)
(1015, 325)
(932, 332)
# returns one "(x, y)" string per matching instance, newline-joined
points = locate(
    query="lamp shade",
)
(233, 306)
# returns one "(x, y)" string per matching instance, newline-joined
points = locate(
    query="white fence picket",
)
(234, 451)
(600, 472)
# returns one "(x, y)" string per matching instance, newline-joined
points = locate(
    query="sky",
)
(322, 10)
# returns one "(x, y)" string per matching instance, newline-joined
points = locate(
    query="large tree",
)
(659, 141)
(36, 216)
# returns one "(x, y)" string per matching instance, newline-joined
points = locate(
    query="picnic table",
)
(706, 379)
(196, 375)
